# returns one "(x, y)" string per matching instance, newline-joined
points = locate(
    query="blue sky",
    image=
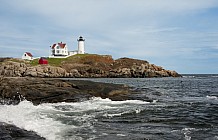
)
(180, 35)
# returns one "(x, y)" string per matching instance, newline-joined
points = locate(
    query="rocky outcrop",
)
(86, 67)
(47, 90)
(19, 69)
(50, 90)
(126, 67)
(11, 132)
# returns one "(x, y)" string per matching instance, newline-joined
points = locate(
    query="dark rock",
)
(45, 90)
(11, 132)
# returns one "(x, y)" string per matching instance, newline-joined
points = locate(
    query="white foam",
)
(187, 132)
(112, 115)
(137, 111)
(121, 135)
(30, 117)
(43, 118)
(98, 104)
(191, 76)
(154, 101)
(211, 97)
(109, 101)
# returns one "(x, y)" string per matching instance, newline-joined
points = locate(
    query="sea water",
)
(180, 108)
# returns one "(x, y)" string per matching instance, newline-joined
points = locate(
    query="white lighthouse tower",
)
(81, 45)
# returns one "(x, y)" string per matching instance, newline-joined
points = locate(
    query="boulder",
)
(11, 132)
(74, 73)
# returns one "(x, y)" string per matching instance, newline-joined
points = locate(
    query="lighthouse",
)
(81, 45)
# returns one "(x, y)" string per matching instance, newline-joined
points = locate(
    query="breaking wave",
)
(53, 121)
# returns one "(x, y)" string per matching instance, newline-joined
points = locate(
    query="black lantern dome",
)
(81, 39)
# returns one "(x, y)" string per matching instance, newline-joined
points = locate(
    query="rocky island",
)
(84, 66)
(22, 79)
(27, 80)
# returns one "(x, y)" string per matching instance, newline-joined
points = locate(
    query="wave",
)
(191, 76)
(107, 100)
(200, 76)
(212, 97)
(27, 116)
(215, 76)
(53, 120)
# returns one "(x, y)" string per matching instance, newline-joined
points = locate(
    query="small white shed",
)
(27, 56)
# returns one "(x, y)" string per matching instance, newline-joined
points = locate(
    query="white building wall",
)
(26, 57)
(72, 53)
(59, 51)
(81, 47)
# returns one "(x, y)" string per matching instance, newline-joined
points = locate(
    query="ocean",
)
(184, 108)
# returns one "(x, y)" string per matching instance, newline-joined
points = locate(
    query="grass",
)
(51, 61)
(34, 62)
(58, 61)
(78, 58)
(55, 61)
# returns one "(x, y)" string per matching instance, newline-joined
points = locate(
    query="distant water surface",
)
(182, 108)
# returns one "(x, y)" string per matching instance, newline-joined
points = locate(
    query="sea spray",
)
(179, 108)
(34, 118)
(60, 120)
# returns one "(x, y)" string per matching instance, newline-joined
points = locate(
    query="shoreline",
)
(53, 90)
(85, 66)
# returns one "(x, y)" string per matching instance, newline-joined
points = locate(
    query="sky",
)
(180, 35)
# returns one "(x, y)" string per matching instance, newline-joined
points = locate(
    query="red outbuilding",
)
(43, 61)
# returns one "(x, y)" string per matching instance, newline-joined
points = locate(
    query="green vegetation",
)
(55, 61)
(90, 59)
(51, 61)
(79, 58)
(34, 62)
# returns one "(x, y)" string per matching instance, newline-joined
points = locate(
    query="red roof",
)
(62, 45)
(53, 46)
(29, 54)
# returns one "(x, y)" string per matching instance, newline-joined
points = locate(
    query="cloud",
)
(81, 13)
(169, 30)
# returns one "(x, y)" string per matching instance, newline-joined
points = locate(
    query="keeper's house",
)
(59, 49)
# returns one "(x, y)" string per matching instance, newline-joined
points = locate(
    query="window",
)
(58, 51)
